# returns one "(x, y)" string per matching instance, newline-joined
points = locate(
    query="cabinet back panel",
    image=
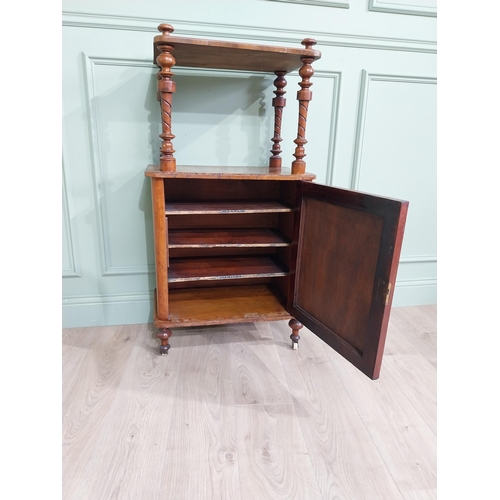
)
(283, 285)
(285, 224)
(220, 189)
(288, 192)
(231, 221)
(212, 252)
(285, 255)
(221, 283)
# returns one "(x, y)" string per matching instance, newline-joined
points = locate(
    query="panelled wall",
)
(371, 126)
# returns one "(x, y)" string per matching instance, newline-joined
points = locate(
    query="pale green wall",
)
(371, 126)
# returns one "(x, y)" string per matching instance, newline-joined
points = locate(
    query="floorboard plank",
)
(415, 376)
(273, 456)
(419, 327)
(128, 455)
(76, 342)
(402, 437)
(421, 495)
(257, 373)
(346, 462)
(201, 456)
(234, 412)
(87, 401)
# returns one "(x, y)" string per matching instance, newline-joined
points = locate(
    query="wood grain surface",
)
(232, 412)
(331, 424)
(201, 457)
(88, 399)
(203, 53)
(257, 373)
(273, 454)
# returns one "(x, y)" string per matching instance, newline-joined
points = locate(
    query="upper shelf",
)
(202, 53)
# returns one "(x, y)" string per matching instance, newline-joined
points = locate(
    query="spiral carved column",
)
(279, 102)
(166, 87)
(303, 96)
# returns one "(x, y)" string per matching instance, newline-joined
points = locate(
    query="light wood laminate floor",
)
(232, 412)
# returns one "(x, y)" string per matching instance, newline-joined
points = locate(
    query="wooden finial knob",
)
(165, 29)
(308, 43)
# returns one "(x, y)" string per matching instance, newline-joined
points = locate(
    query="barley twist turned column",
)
(279, 102)
(304, 96)
(166, 87)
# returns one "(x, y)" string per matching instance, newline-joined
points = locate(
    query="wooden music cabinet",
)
(245, 244)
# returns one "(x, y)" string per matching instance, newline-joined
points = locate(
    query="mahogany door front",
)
(347, 254)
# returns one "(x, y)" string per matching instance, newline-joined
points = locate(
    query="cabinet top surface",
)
(203, 53)
(242, 173)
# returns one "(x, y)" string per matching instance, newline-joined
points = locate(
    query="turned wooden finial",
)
(165, 29)
(279, 103)
(166, 87)
(304, 96)
(308, 43)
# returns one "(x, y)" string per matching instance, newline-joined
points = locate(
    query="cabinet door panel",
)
(347, 256)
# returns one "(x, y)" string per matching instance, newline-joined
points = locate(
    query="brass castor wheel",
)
(164, 334)
(164, 349)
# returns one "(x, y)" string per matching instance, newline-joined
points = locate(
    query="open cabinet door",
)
(348, 247)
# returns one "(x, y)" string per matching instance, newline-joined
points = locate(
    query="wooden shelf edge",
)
(236, 173)
(186, 269)
(227, 207)
(240, 46)
(223, 277)
(227, 238)
(220, 321)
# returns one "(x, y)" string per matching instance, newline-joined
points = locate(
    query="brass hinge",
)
(388, 293)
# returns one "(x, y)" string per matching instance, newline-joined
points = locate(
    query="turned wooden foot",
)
(164, 334)
(295, 326)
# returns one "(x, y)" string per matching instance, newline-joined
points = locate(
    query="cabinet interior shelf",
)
(226, 238)
(224, 268)
(228, 304)
(225, 207)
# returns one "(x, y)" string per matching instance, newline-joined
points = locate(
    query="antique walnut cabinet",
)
(245, 244)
